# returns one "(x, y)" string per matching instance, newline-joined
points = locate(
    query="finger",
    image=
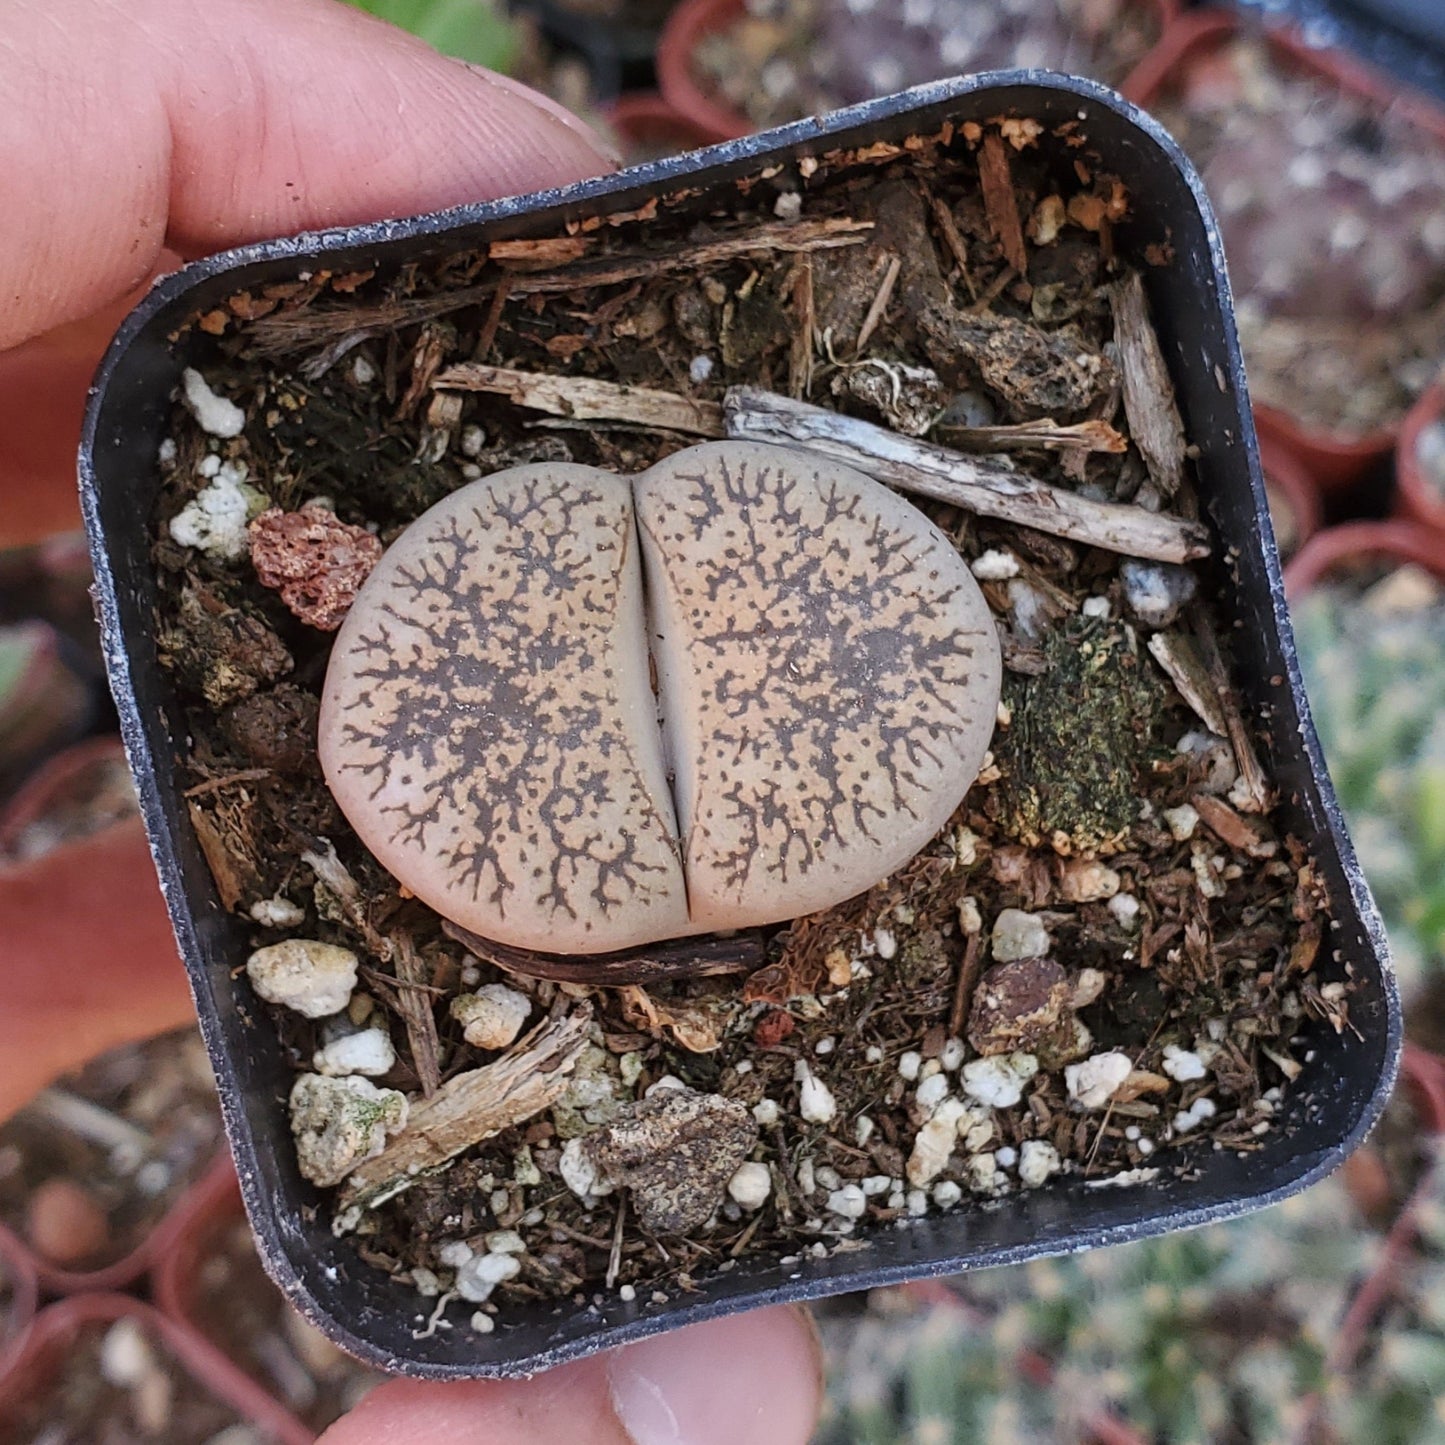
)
(213, 122)
(754, 1378)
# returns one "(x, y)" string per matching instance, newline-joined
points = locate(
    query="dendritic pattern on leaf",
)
(835, 666)
(516, 722)
(480, 724)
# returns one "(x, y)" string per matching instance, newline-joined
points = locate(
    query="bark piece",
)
(674, 1152)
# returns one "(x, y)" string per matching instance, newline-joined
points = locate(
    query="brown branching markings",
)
(820, 652)
(483, 711)
(826, 674)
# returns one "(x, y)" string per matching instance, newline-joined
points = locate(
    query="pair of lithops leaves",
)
(577, 712)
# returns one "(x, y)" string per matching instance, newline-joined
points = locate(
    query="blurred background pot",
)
(97, 1363)
(1277, 201)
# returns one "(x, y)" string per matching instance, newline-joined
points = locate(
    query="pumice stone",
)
(576, 712)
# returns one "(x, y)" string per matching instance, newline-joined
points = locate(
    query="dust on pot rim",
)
(372, 1316)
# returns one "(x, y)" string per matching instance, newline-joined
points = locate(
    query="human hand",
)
(134, 129)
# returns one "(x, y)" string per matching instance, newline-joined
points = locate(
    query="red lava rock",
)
(772, 1028)
(64, 1224)
(316, 561)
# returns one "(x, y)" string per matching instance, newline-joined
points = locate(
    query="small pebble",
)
(766, 1112)
(1181, 821)
(1006, 1157)
(885, 942)
(909, 1064)
(1038, 1162)
(816, 1103)
(215, 415)
(313, 978)
(848, 1203)
(1094, 1081)
(277, 912)
(1201, 1109)
(998, 1080)
(788, 206)
(863, 1129)
(492, 1017)
(368, 1051)
(917, 1203)
(995, 566)
(1096, 607)
(482, 1273)
(454, 1253)
(946, 1194)
(751, 1185)
(953, 1055)
(1125, 909)
(483, 1323)
(700, 369)
(627, 1294)
(1184, 1066)
(933, 1090)
(825, 1046)
(1017, 934)
(1157, 592)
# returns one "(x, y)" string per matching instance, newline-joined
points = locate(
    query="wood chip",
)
(583, 398)
(1080, 436)
(948, 229)
(467, 1109)
(881, 299)
(1252, 791)
(1179, 657)
(414, 1003)
(1000, 204)
(987, 486)
(1154, 419)
(1229, 827)
(540, 253)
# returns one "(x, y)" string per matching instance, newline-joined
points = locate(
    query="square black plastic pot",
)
(1350, 1074)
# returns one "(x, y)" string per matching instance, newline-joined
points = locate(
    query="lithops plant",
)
(577, 712)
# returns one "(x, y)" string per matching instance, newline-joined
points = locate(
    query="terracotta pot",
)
(1284, 474)
(19, 1273)
(1415, 498)
(1336, 548)
(1335, 462)
(30, 1372)
(645, 122)
(211, 1207)
(717, 120)
(94, 901)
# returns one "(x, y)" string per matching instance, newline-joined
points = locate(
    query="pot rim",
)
(1056, 1225)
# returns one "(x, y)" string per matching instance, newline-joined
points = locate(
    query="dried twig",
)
(1000, 204)
(1080, 436)
(1154, 418)
(675, 958)
(1177, 654)
(988, 486)
(800, 355)
(586, 399)
(968, 975)
(467, 1109)
(879, 304)
(955, 243)
(308, 326)
(1252, 792)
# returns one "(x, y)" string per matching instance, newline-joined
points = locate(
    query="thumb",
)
(206, 123)
(754, 1378)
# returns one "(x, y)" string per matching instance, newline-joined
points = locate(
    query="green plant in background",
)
(476, 31)
(1374, 666)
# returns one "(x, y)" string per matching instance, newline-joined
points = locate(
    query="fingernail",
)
(754, 1378)
(574, 123)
